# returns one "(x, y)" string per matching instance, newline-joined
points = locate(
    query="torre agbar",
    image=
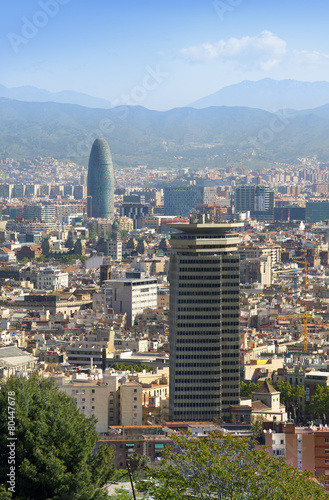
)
(204, 277)
(100, 183)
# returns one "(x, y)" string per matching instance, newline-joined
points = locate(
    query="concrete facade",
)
(131, 404)
(304, 447)
(204, 278)
(132, 296)
(50, 277)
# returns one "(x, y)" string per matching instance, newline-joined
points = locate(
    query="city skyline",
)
(162, 56)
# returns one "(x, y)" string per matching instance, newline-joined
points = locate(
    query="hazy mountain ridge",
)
(33, 94)
(269, 95)
(214, 136)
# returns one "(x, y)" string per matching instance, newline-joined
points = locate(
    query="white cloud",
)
(264, 50)
(312, 58)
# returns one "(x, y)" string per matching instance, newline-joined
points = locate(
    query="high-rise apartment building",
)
(256, 199)
(6, 191)
(100, 184)
(114, 245)
(204, 277)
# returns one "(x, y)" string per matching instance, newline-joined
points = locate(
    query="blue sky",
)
(160, 54)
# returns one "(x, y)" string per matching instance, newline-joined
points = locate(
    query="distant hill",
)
(182, 137)
(29, 93)
(270, 95)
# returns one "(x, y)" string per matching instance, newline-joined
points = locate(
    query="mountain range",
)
(34, 94)
(181, 137)
(270, 95)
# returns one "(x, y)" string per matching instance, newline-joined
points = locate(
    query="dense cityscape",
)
(151, 313)
(164, 250)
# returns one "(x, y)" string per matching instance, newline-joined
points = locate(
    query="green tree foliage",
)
(285, 390)
(92, 236)
(54, 447)
(24, 259)
(319, 404)
(67, 259)
(137, 462)
(257, 427)
(221, 466)
(290, 396)
(247, 388)
(132, 368)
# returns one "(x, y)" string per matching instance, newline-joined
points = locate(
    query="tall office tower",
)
(256, 199)
(182, 199)
(100, 183)
(204, 275)
(245, 198)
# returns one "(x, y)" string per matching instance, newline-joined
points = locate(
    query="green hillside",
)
(215, 136)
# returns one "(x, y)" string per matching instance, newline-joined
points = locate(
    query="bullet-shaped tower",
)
(100, 183)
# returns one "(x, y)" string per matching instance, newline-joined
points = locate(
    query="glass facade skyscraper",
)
(258, 200)
(100, 182)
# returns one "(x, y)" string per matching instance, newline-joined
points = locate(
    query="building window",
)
(326, 440)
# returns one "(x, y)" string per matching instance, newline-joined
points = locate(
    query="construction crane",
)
(299, 316)
(302, 260)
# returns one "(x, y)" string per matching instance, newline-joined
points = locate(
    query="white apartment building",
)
(132, 296)
(114, 249)
(51, 277)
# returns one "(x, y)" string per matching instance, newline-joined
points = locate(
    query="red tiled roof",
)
(266, 388)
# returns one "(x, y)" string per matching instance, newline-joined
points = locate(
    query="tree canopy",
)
(225, 467)
(247, 388)
(54, 450)
(132, 368)
(290, 395)
(319, 404)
